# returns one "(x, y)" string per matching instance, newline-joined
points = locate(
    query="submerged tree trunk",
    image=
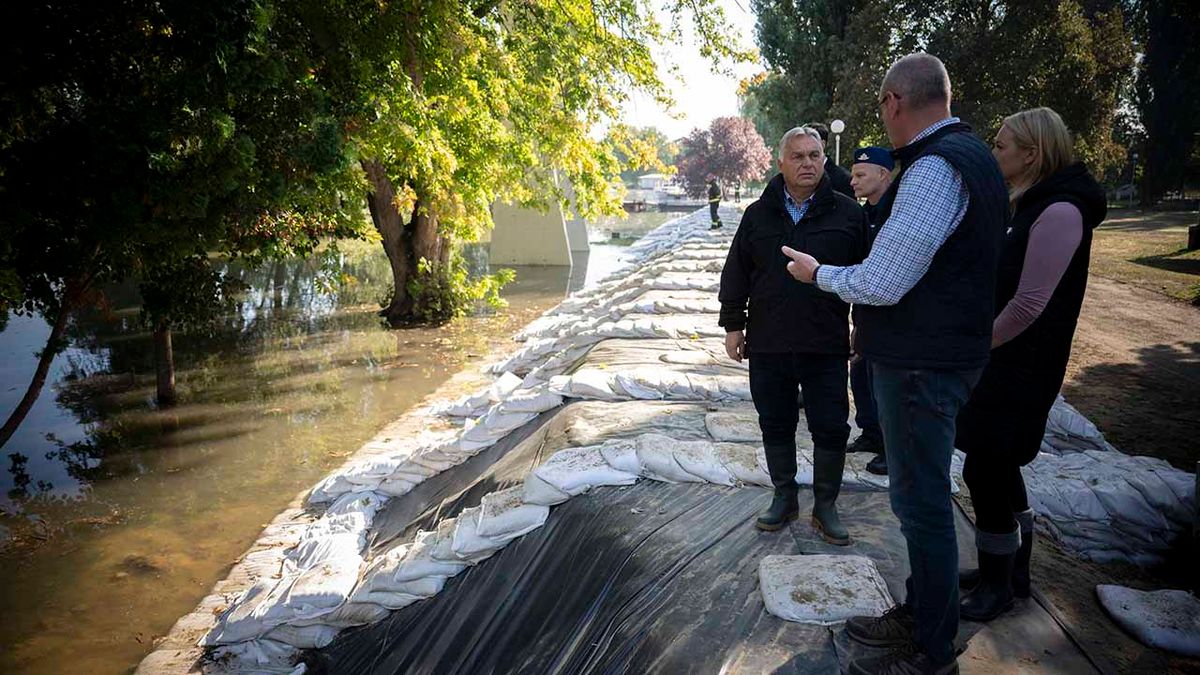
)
(53, 346)
(164, 365)
(382, 202)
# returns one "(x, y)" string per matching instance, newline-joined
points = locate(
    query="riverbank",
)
(611, 577)
(119, 516)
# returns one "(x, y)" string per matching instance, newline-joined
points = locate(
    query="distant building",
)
(653, 181)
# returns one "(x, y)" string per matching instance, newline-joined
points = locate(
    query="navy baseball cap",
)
(873, 154)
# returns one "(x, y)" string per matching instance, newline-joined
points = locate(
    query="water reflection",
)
(117, 516)
(296, 320)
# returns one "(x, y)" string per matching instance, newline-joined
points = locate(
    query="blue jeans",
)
(865, 414)
(916, 413)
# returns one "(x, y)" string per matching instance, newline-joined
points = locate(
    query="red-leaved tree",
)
(730, 150)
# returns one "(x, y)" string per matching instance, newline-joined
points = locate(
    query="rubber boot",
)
(827, 483)
(785, 506)
(968, 579)
(1020, 578)
(994, 594)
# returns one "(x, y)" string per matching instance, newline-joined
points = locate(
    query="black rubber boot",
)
(785, 506)
(866, 443)
(827, 483)
(1022, 587)
(993, 595)
(878, 465)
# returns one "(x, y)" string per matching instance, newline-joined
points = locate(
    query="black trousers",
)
(997, 489)
(774, 381)
(712, 210)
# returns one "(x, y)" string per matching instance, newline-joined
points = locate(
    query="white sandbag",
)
(621, 454)
(1105, 505)
(330, 488)
(418, 561)
(577, 470)
(305, 637)
(467, 544)
(635, 385)
(656, 454)
(492, 427)
(690, 357)
(1167, 619)
(746, 463)
(1067, 430)
(700, 459)
(261, 657)
(531, 401)
(365, 503)
(584, 383)
(733, 427)
(321, 588)
(539, 492)
(316, 550)
(250, 616)
(822, 589)
(734, 388)
(504, 515)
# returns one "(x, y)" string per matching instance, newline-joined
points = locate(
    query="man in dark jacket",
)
(796, 335)
(839, 177)
(714, 201)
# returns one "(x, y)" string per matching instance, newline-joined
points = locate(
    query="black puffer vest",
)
(945, 321)
(1047, 341)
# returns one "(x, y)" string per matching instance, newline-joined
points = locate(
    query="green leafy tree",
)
(641, 150)
(137, 136)
(1168, 91)
(1002, 57)
(462, 104)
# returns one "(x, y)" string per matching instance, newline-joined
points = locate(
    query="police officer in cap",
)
(870, 176)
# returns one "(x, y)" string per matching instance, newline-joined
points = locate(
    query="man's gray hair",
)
(920, 79)
(799, 131)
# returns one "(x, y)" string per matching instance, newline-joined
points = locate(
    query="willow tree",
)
(466, 103)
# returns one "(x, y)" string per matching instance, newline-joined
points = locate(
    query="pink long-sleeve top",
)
(1053, 238)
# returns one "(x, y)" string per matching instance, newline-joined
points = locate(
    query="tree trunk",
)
(277, 280)
(425, 240)
(52, 348)
(382, 202)
(164, 365)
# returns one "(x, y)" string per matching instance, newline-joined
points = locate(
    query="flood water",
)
(117, 517)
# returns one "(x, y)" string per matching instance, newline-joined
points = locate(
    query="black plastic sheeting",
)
(652, 577)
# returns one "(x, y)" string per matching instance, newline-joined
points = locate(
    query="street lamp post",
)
(837, 127)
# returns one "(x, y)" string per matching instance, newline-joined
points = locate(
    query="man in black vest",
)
(925, 296)
(838, 177)
(796, 335)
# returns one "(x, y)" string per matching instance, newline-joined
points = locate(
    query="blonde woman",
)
(1039, 289)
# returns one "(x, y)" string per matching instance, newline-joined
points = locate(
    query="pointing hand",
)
(802, 267)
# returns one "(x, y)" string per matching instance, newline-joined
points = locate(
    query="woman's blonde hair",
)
(1043, 130)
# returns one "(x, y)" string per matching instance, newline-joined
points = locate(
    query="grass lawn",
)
(1146, 248)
